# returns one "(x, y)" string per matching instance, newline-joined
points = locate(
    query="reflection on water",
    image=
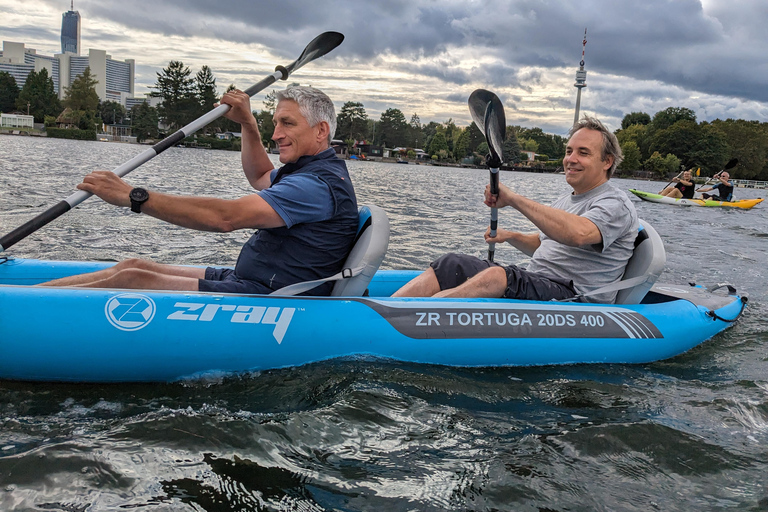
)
(688, 433)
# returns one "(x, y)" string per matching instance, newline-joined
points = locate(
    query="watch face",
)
(139, 195)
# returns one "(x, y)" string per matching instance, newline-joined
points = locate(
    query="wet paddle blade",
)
(488, 114)
(318, 47)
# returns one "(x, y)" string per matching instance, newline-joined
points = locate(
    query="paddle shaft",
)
(668, 184)
(494, 212)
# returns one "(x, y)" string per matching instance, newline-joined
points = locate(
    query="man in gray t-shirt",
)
(585, 238)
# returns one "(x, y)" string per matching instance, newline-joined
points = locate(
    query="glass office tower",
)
(70, 31)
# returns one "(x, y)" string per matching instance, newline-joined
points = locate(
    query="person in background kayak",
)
(305, 212)
(585, 240)
(724, 189)
(683, 188)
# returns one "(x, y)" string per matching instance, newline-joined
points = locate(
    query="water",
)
(690, 433)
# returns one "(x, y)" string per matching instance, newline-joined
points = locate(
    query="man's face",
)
(294, 137)
(725, 176)
(584, 170)
(687, 175)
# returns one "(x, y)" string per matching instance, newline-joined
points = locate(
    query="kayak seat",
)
(367, 252)
(363, 260)
(648, 260)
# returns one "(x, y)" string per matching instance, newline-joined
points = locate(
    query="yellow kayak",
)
(744, 204)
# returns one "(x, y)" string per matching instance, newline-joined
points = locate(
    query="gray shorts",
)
(454, 269)
(224, 280)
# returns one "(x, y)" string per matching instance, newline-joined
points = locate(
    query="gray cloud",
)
(650, 53)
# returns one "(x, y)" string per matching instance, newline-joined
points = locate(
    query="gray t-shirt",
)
(591, 267)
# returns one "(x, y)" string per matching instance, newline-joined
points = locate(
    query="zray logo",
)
(196, 312)
(130, 311)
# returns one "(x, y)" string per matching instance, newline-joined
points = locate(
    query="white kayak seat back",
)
(647, 260)
(363, 260)
(367, 253)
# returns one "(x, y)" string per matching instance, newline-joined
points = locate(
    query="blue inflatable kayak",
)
(88, 335)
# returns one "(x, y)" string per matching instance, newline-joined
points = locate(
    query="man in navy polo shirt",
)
(305, 212)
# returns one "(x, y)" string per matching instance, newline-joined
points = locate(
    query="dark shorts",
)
(454, 269)
(712, 197)
(224, 280)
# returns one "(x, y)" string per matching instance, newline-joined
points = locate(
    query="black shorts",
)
(712, 197)
(454, 269)
(224, 280)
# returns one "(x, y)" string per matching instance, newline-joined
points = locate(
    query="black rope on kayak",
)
(730, 321)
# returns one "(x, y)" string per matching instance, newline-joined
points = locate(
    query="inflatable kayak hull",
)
(744, 204)
(107, 335)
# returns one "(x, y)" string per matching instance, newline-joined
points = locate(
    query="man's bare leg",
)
(490, 283)
(423, 285)
(136, 273)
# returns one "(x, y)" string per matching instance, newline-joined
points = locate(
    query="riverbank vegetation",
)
(661, 145)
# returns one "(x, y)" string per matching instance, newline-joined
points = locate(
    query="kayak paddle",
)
(318, 47)
(733, 162)
(488, 114)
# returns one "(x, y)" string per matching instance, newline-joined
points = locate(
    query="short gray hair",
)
(314, 105)
(611, 145)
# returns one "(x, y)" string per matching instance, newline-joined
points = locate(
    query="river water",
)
(690, 433)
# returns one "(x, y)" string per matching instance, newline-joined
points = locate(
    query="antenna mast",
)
(581, 78)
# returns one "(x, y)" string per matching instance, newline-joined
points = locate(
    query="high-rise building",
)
(115, 78)
(70, 31)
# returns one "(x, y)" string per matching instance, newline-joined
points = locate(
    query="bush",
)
(71, 133)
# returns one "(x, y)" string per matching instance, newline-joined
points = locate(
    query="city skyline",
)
(425, 59)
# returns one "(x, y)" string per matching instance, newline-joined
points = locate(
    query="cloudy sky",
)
(426, 56)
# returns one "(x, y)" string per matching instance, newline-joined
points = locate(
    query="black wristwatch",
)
(138, 197)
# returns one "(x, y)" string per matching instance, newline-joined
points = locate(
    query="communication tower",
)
(581, 78)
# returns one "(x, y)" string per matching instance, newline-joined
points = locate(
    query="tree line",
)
(664, 144)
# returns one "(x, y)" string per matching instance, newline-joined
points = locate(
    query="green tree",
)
(205, 90)
(511, 148)
(438, 144)
(476, 136)
(461, 146)
(270, 102)
(635, 118)
(679, 139)
(392, 128)
(266, 127)
(528, 144)
(748, 141)
(81, 94)
(638, 134)
(669, 116)
(111, 112)
(416, 137)
(711, 150)
(144, 119)
(632, 156)
(352, 121)
(175, 87)
(656, 165)
(39, 96)
(9, 91)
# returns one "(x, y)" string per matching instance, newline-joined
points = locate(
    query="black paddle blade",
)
(488, 114)
(733, 162)
(318, 47)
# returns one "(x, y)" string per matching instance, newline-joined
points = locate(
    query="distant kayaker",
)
(305, 212)
(683, 188)
(724, 189)
(586, 237)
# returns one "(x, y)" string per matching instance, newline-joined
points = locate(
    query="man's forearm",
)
(254, 157)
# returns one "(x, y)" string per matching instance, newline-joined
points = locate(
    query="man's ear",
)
(323, 129)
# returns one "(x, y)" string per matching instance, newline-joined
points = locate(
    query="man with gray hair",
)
(305, 212)
(586, 236)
